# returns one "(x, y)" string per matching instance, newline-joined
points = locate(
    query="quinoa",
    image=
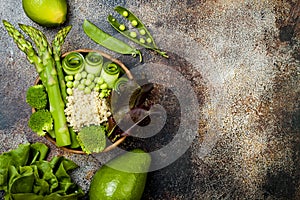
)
(86, 109)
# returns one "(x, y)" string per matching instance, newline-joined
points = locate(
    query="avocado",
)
(109, 182)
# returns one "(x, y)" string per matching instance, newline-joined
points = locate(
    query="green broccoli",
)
(92, 139)
(41, 122)
(36, 97)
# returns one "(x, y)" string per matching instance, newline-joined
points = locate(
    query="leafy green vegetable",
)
(131, 96)
(41, 122)
(92, 139)
(25, 174)
(36, 97)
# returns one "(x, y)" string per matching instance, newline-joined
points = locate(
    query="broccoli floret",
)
(41, 122)
(92, 139)
(36, 97)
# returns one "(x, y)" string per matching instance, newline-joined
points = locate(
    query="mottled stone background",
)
(242, 59)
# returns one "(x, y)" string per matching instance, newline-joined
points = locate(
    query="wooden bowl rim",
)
(129, 75)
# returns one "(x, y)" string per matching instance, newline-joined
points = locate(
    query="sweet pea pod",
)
(141, 36)
(108, 41)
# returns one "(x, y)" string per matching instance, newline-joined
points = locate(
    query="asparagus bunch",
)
(44, 63)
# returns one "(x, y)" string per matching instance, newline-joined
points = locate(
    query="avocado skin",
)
(111, 184)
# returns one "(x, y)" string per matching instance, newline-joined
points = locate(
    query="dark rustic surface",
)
(242, 59)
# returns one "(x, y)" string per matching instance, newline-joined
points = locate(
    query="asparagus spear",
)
(25, 46)
(56, 47)
(45, 66)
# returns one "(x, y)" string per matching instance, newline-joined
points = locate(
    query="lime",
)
(109, 183)
(47, 13)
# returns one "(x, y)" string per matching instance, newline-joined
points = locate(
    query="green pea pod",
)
(142, 36)
(108, 41)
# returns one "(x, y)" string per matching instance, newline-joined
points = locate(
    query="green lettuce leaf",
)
(25, 174)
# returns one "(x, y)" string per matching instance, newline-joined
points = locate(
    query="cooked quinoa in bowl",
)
(86, 109)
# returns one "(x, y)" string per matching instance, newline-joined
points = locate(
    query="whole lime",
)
(108, 183)
(48, 13)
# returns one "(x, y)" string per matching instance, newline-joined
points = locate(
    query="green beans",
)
(108, 41)
(144, 38)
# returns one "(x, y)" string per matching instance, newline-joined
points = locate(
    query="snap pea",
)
(108, 41)
(138, 24)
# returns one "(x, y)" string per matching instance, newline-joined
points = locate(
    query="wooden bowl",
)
(129, 75)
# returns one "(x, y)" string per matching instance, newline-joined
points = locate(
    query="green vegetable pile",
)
(88, 72)
(26, 174)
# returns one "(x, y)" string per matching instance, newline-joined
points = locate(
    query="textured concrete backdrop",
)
(242, 58)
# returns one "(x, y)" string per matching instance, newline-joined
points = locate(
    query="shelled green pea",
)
(125, 14)
(122, 27)
(69, 91)
(133, 34)
(134, 23)
(142, 32)
(76, 83)
(87, 82)
(69, 78)
(87, 90)
(104, 93)
(81, 87)
(69, 83)
(83, 74)
(92, 85)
